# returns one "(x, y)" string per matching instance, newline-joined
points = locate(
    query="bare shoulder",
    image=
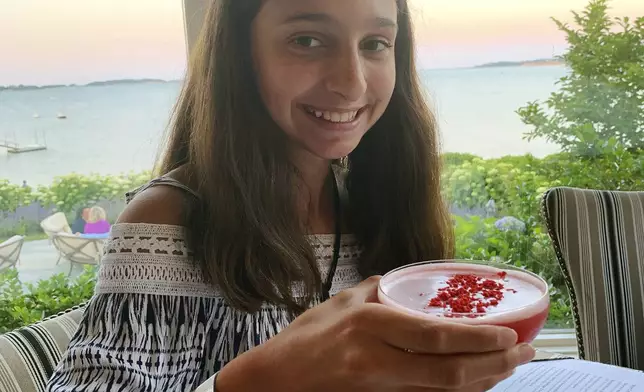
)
(160, 204)
(163, 203)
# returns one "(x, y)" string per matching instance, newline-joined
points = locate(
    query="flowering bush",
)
(68, 192)
(12, 196)
(510, 223)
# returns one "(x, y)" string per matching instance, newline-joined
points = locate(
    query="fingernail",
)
(526, 353)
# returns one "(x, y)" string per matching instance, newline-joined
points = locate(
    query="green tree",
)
(600, 102)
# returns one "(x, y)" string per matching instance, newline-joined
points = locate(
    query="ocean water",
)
(111, 129)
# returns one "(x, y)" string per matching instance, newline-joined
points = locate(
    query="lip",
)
(331, 126)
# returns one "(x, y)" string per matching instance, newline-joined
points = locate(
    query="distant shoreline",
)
(100, 83)
(529, 63)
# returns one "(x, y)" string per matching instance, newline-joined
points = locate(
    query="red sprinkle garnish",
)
(469, 294)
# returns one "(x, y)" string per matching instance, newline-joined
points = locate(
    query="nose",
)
(346, 76)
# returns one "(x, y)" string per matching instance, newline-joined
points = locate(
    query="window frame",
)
(194, 12)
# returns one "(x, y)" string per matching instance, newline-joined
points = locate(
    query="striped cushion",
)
(28, 355)
(599, 240)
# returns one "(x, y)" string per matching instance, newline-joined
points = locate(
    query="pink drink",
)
(516, 299)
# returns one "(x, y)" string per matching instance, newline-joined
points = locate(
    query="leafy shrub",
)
(479, 238)
(73, 190)
(22, 305)
(515, 184)
(600, 101)
(458, 158)
(68, 192)
(616, 168)
(13, 196)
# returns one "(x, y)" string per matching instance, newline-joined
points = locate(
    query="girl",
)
(302, 159)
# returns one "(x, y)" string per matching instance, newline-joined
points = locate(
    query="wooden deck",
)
(15, 148)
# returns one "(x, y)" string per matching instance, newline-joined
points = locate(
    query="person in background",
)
(78, 226)
(302, 163)
(97, 221)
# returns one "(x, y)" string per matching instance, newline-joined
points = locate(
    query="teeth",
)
(335, 117)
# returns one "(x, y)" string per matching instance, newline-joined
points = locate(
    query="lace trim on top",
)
(154, 259)
(156, 325)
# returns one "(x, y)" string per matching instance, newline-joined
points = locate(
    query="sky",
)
(79, 41)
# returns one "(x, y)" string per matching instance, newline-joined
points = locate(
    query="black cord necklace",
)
(337, 205)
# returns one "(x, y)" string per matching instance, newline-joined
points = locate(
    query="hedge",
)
(496, 205)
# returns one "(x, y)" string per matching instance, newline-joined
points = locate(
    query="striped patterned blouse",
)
(155, 325)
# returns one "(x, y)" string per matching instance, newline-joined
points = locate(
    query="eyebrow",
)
(325, 18)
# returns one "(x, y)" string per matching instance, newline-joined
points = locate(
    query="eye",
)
(375, 45)
(307, 42)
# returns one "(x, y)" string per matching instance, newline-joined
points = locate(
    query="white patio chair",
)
(54, 224)
(79, 250)
(10, 252)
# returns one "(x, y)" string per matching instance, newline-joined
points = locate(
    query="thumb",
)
(367, 290)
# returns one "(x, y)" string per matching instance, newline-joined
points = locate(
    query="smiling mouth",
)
(344, 117)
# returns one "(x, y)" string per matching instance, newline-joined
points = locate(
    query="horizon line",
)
(495, 64)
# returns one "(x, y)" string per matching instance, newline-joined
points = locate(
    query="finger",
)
(427, 336)
(484, 385)
(366, 291)
(453, 371)
(459, 371)
(481, 367)
(480, 386)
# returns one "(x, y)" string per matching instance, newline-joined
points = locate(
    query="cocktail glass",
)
(524, 306)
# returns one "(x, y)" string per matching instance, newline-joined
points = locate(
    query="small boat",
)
(36, 115)
(61, 116)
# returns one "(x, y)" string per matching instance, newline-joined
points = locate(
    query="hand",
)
(350, 343)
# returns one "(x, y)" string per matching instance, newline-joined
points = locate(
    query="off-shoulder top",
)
(154, 324)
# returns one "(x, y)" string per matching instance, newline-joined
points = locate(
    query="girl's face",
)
(325, 69)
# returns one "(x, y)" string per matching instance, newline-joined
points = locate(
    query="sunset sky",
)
(79, 41)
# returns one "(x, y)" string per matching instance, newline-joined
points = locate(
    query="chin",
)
(334, 151)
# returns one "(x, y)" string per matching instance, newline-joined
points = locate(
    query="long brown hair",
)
(245, 230)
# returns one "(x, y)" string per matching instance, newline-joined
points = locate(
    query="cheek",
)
(281, 83)
(272, 90)
(382, 83)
